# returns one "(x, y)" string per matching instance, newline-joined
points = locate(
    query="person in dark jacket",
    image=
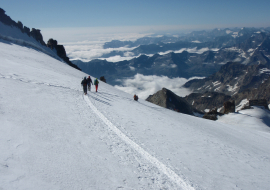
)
(135, 97)
(84, 84)
(96, 83)
(89, 81)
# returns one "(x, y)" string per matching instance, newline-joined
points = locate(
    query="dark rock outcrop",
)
(259, 102)
(20, 26)
(27, 30)
(61, 52)
(51, 43)
(102, 78)
(36, 34)
(212, 115)
(167, 99)
(6, 19)
(229, 107)
(222, 81)
(235, 81)
(262, 92)
(207, 100)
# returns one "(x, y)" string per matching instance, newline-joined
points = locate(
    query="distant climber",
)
(89, 81)
(135, 97)
(96, 83)
(84, 84)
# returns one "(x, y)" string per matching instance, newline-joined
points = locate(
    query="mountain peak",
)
(167, 99)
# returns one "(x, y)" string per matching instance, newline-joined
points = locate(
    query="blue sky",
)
(145, 16)
(93, 13)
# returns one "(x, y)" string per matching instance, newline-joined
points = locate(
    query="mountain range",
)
(235, 64)
(55, 137)
(198, 54)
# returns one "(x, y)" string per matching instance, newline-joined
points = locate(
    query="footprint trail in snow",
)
(161, 167)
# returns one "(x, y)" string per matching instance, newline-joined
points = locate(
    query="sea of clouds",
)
(86, 45)
(93, 48)
(144, 86)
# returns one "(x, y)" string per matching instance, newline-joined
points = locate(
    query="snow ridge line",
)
(39, 47)
(167, 171)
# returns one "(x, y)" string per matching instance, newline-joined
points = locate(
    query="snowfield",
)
(54, 137)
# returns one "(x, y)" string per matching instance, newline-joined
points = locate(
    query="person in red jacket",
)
(96, 83)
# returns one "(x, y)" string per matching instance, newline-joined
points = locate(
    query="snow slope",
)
(14, 34)
(54, 137)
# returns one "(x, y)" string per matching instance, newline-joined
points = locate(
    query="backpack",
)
(84, 82)
(96, 82)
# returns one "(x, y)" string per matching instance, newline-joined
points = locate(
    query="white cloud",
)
(238, 59)
(87, 51)
(190, 50)
(128, 54)
(86, 44)
(144, 86)
(169, 66)
(132, 68)
(173, 65)
(116, 58)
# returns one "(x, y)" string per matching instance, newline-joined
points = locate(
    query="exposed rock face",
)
(167, 99)
(212, 115)
(232, 78)
(235, 81)
(6, 19)
(207, 100)
(20, 26)
(102, 78)
(61, 52)
(51, 43)
(35, 33)
(262, 92)
(26, 30)
(228, 75)
(260, 102)
(229, 107)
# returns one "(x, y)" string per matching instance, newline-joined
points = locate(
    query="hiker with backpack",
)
(135, 97)
(84, 84)
(89, 81)
(96, 83)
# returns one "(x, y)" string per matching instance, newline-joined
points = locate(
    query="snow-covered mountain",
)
(54, 137)
(200, 54)
(233, 82)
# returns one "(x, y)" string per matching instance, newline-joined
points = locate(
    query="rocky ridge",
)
(61, 52)
(167, 99)
(234, 82)
(36, 34)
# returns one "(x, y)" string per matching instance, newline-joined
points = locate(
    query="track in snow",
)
(167, 171)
